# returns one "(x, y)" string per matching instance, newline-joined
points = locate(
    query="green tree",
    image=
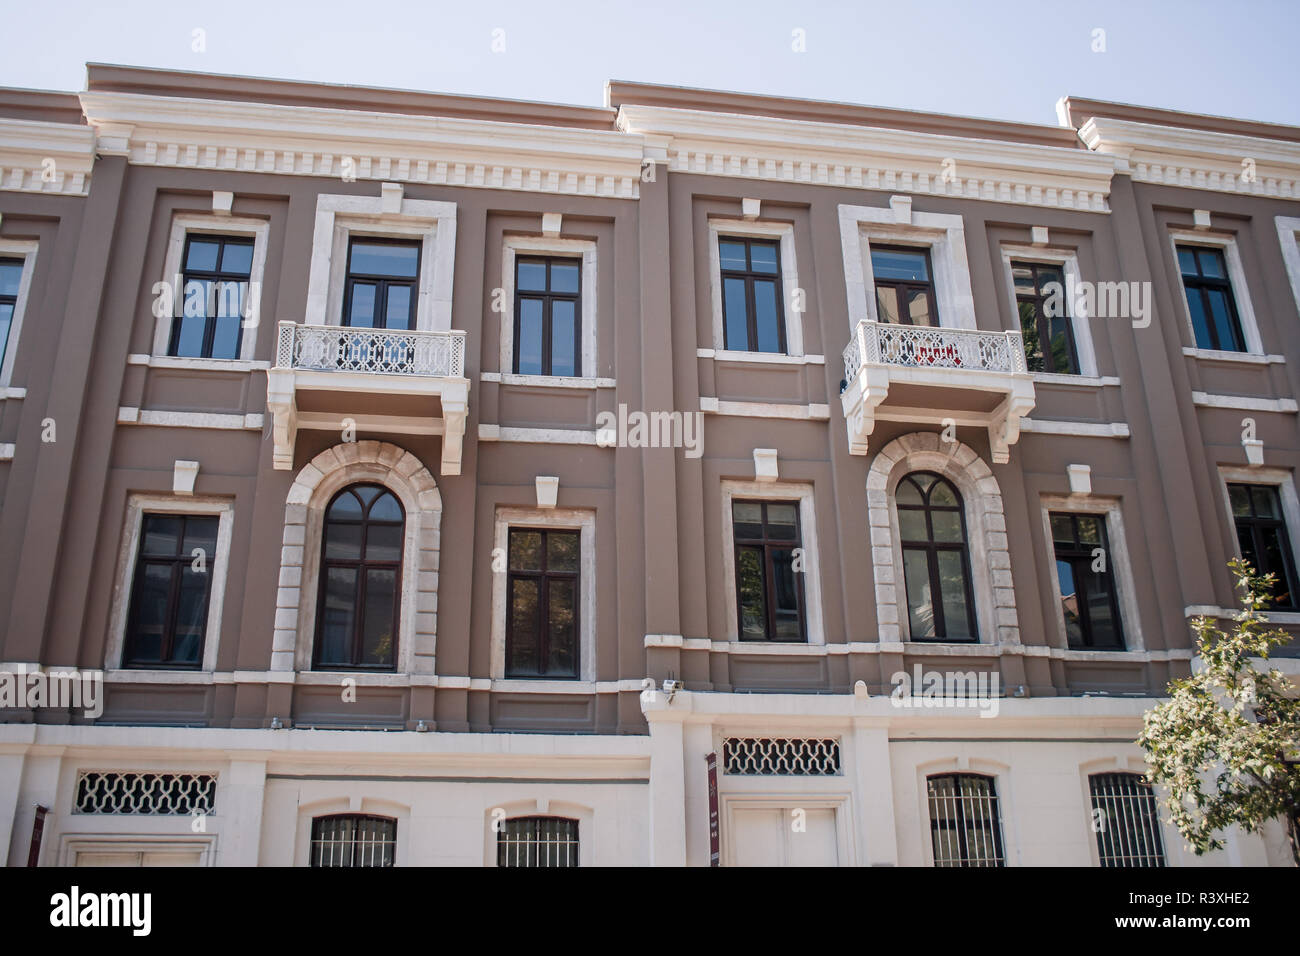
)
(1226, 742)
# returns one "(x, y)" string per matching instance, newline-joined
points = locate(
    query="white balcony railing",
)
(917, 346)
(333, 348)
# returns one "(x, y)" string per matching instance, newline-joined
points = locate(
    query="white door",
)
(777, 836)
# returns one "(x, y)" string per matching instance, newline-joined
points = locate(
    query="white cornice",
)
(45, 157)
(308, 141)
(1197, 159)
(762, 147)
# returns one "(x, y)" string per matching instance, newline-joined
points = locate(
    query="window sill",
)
(197, 364)
(547, 381)
(1086, 381)
(760, 358)
(1248, 358)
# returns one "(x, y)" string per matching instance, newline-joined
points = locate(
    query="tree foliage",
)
(1225, 744)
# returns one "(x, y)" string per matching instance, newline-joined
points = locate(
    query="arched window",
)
(360, 580)
(936, 563)
(353, 839)
(1125, 820)
(965, 823)
(538, 841)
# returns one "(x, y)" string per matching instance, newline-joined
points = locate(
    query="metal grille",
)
(333, 348)
(1125, 820)
(918, 346)
(155, 793)
(965, 824)
(353, 839)
(781, 756)
(538, 841)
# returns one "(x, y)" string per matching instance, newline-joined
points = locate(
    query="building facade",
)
(443, 480)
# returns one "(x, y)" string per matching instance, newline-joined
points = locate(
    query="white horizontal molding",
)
(1198, 159)
(759, 358)
(128, 415)
(42, 157)
(543, 436)
(811, 412)
(1249, 358)
(762, 147)
(1047, 426)
(1248, 403)
(313, 141)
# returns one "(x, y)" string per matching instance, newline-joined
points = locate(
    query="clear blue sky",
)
(1008, 60)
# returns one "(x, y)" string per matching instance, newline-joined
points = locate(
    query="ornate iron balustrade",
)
(334, 348)
(917, 346)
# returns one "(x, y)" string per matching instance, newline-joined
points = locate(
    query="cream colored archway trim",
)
(318, 482)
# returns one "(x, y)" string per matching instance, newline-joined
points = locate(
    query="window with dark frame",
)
(380, 291)
(769, 588)
(1125, 820)
(11, 274)
(1210, 300)
(1264, 540)
(360, 580)
(1049, 339)
(936, 561)
(168, 617)
(1089, 600)
(538, 841)
(965, 822)
(753, 317)
(214, 273)
(542, 622)
(548, 316)
(904, 285)
(353, 839)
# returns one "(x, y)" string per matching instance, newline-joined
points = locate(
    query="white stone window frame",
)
(554, 247)
(1283, 480)
(983, 767)
(987, 546)
(194, 224)
(1288, 236)
(559, 519)
(24, 249)
(802, 494)
(342, 218)
(542, 807)
(942, 234)
(783, 232)
(137, 506)
(1080, 321)
(1117, 555)
(336, 468)
(1227, 244)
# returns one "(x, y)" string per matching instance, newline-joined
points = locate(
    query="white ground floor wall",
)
(638, 800)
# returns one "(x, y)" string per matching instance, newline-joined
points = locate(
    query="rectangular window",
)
(542, 616)
(168, 617)
(1209, 299)
(11, 273)
(214, 272)
(904, 285)
(753, 317)
(538, 841)
(965, 825)
(1263, 539)
(380, 291)
(769, 573)
(1125, 820)
(1044, 318)
(1086, 575)
(548, 306)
